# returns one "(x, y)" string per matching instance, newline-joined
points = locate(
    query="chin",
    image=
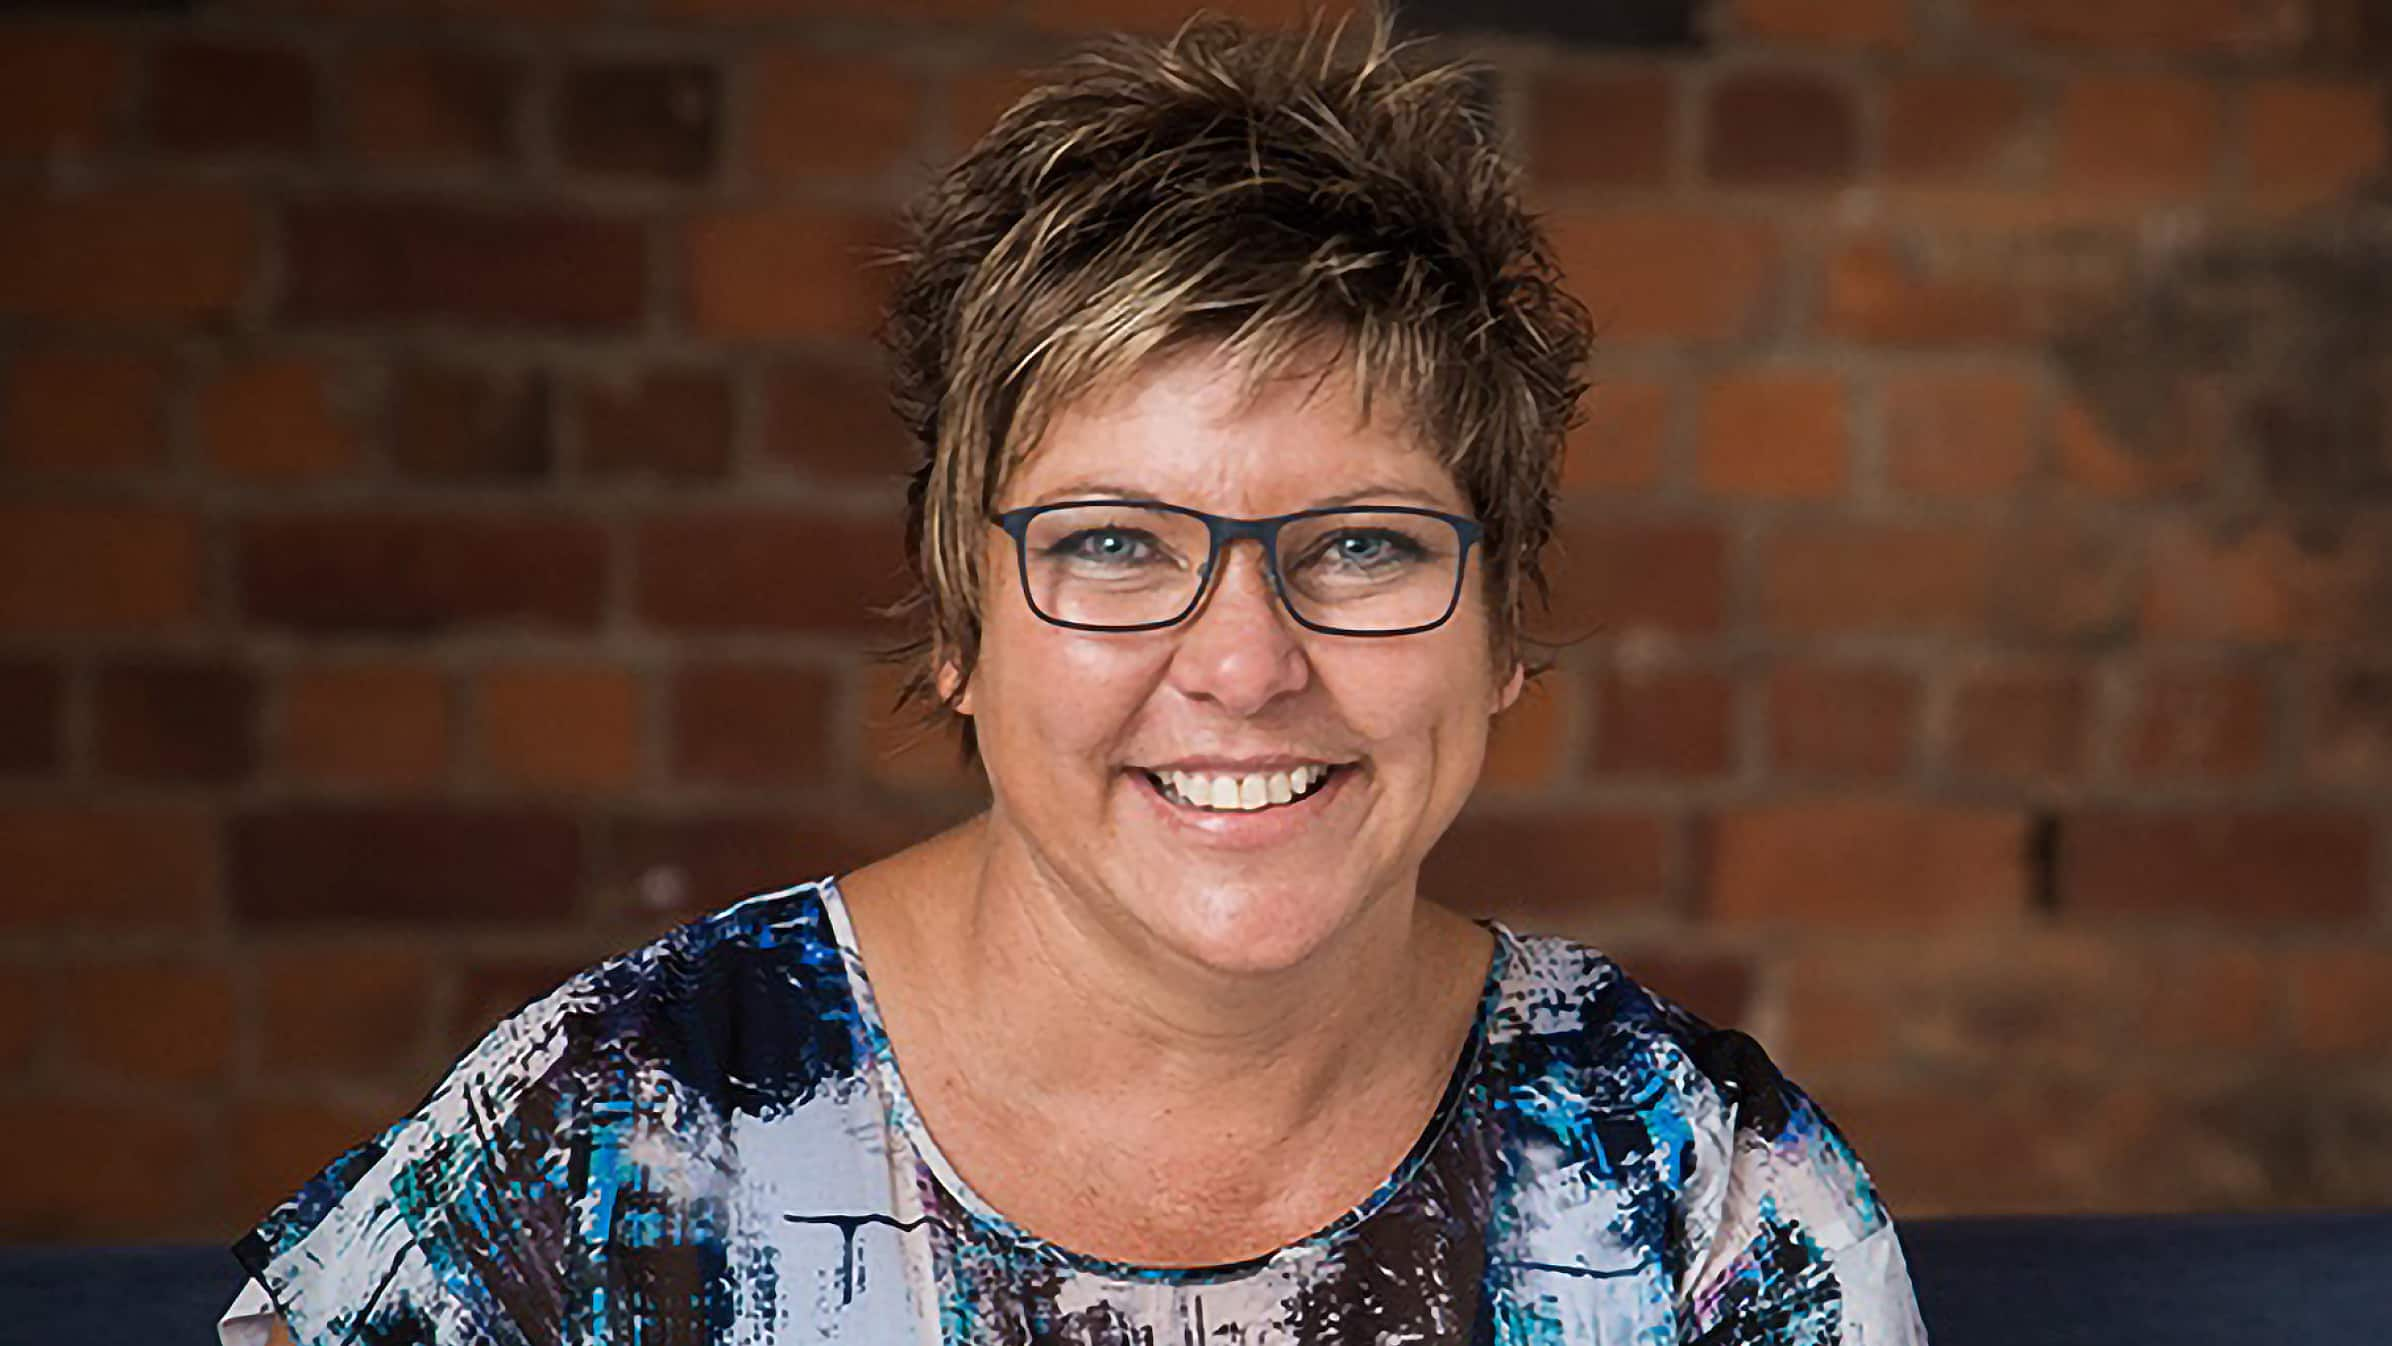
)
(1247, 928)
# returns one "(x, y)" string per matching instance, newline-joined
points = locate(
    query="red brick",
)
(79, 411)
(977, 98)
(1830, 720)
(66, 568)
(2266, 584)
(175, 720)
(2312, 140)
(1866, 862)
(1620, 445)
(1717, 988)
(1625, 576)
(277, 1145)
(360, 1011)
(83, 1171)
(1961, 434)
(1603, 129)
(751, 724)
(1834, 23)
(277, 418)
(1881, 294)
(2250, 867)
(152, 1020)
(1833, 1013)
(478, 425)
(815, 116)
(398, 259)
(2342, 1001)
(1651, 720)
(1165, 16)
(1774, 436)
(2350, 736)
(28, 1019)
(2157, 465)
(2166, 26)
(1667, 275)
(747, 570)
(1557, 871)
(2138, 133)
(107, 867)
(562, 726)
(126, 254)
(59, 89)
(640, 119)
(393, 572)
(218, 97)
(2020, 724)
(1948, 126)
(1821, 577)
(664, 424)
(2192, 722)
(683, 864)
(755, 10)
(1527, 745)
(366, 724)
(741, 263)
(495, 991)
(1780, 128)
(831, 420)
(406, 864)
(433, 106)
(2061, 578)
(2209, 1000)
(32, 713)
(1976, 1149)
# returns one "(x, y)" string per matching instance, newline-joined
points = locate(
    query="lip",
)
(1226, 830)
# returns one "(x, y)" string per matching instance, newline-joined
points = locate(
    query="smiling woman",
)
(1240, 378)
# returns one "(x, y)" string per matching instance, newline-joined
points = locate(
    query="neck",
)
(1051, 989)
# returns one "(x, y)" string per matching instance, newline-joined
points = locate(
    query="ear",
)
(948, 676)
(1510, 691)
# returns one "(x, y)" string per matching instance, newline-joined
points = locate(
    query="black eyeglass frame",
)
(1222, 529)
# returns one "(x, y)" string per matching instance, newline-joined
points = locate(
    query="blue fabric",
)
(2197, 1280)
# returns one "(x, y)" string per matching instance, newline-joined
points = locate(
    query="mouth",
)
(1247, 792)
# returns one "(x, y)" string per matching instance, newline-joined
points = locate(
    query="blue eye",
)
(1369, 549)
(1108, 546)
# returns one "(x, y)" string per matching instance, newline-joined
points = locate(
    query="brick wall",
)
(442, 478)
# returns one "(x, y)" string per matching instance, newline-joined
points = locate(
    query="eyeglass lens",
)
(1109, 565)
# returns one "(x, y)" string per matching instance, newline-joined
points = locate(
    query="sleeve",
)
(1789, 1244)
(540, 1195)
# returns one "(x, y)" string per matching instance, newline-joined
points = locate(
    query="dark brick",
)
(1717, 988)
(209, 97)
(32, 699)
(1780, 128)
(2255, 867)
(472, 425)
(751, 724)
(1667, 721)
(1552, 871)
(670, 424)
(1625, 576)
(433, 106)
(175, 721)
(832, 420)
(720, 571)
(1608, 130)
(418, 864)
(386, 572)
(644, 120)
(368, 260)
(665, 866)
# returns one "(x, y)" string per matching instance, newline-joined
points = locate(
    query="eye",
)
(1369, 548)
(1107, 546)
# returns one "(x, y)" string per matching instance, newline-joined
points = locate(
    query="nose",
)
(1240, 649)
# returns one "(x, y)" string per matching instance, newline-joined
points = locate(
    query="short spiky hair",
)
(1267, 192)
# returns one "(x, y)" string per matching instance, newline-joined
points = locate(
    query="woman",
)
(1241, 378)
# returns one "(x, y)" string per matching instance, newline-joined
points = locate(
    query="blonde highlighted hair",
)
(1276, 194)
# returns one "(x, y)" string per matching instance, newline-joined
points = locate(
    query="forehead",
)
(1198, 428)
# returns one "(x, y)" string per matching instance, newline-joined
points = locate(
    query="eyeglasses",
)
(1138, 565)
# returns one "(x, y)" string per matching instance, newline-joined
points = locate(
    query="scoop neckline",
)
(900, 1104)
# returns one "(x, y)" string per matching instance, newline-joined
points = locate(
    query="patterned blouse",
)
(707, 1140)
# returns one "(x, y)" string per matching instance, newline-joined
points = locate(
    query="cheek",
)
(1054, 691)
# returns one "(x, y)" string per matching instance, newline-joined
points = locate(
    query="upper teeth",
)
(1254, 790)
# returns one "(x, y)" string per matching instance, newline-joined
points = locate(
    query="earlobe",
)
(948, 678)
(1510, 691)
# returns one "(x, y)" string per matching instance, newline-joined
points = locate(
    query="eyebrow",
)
(1103, 490)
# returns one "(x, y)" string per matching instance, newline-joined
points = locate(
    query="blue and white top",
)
(707, 1140)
